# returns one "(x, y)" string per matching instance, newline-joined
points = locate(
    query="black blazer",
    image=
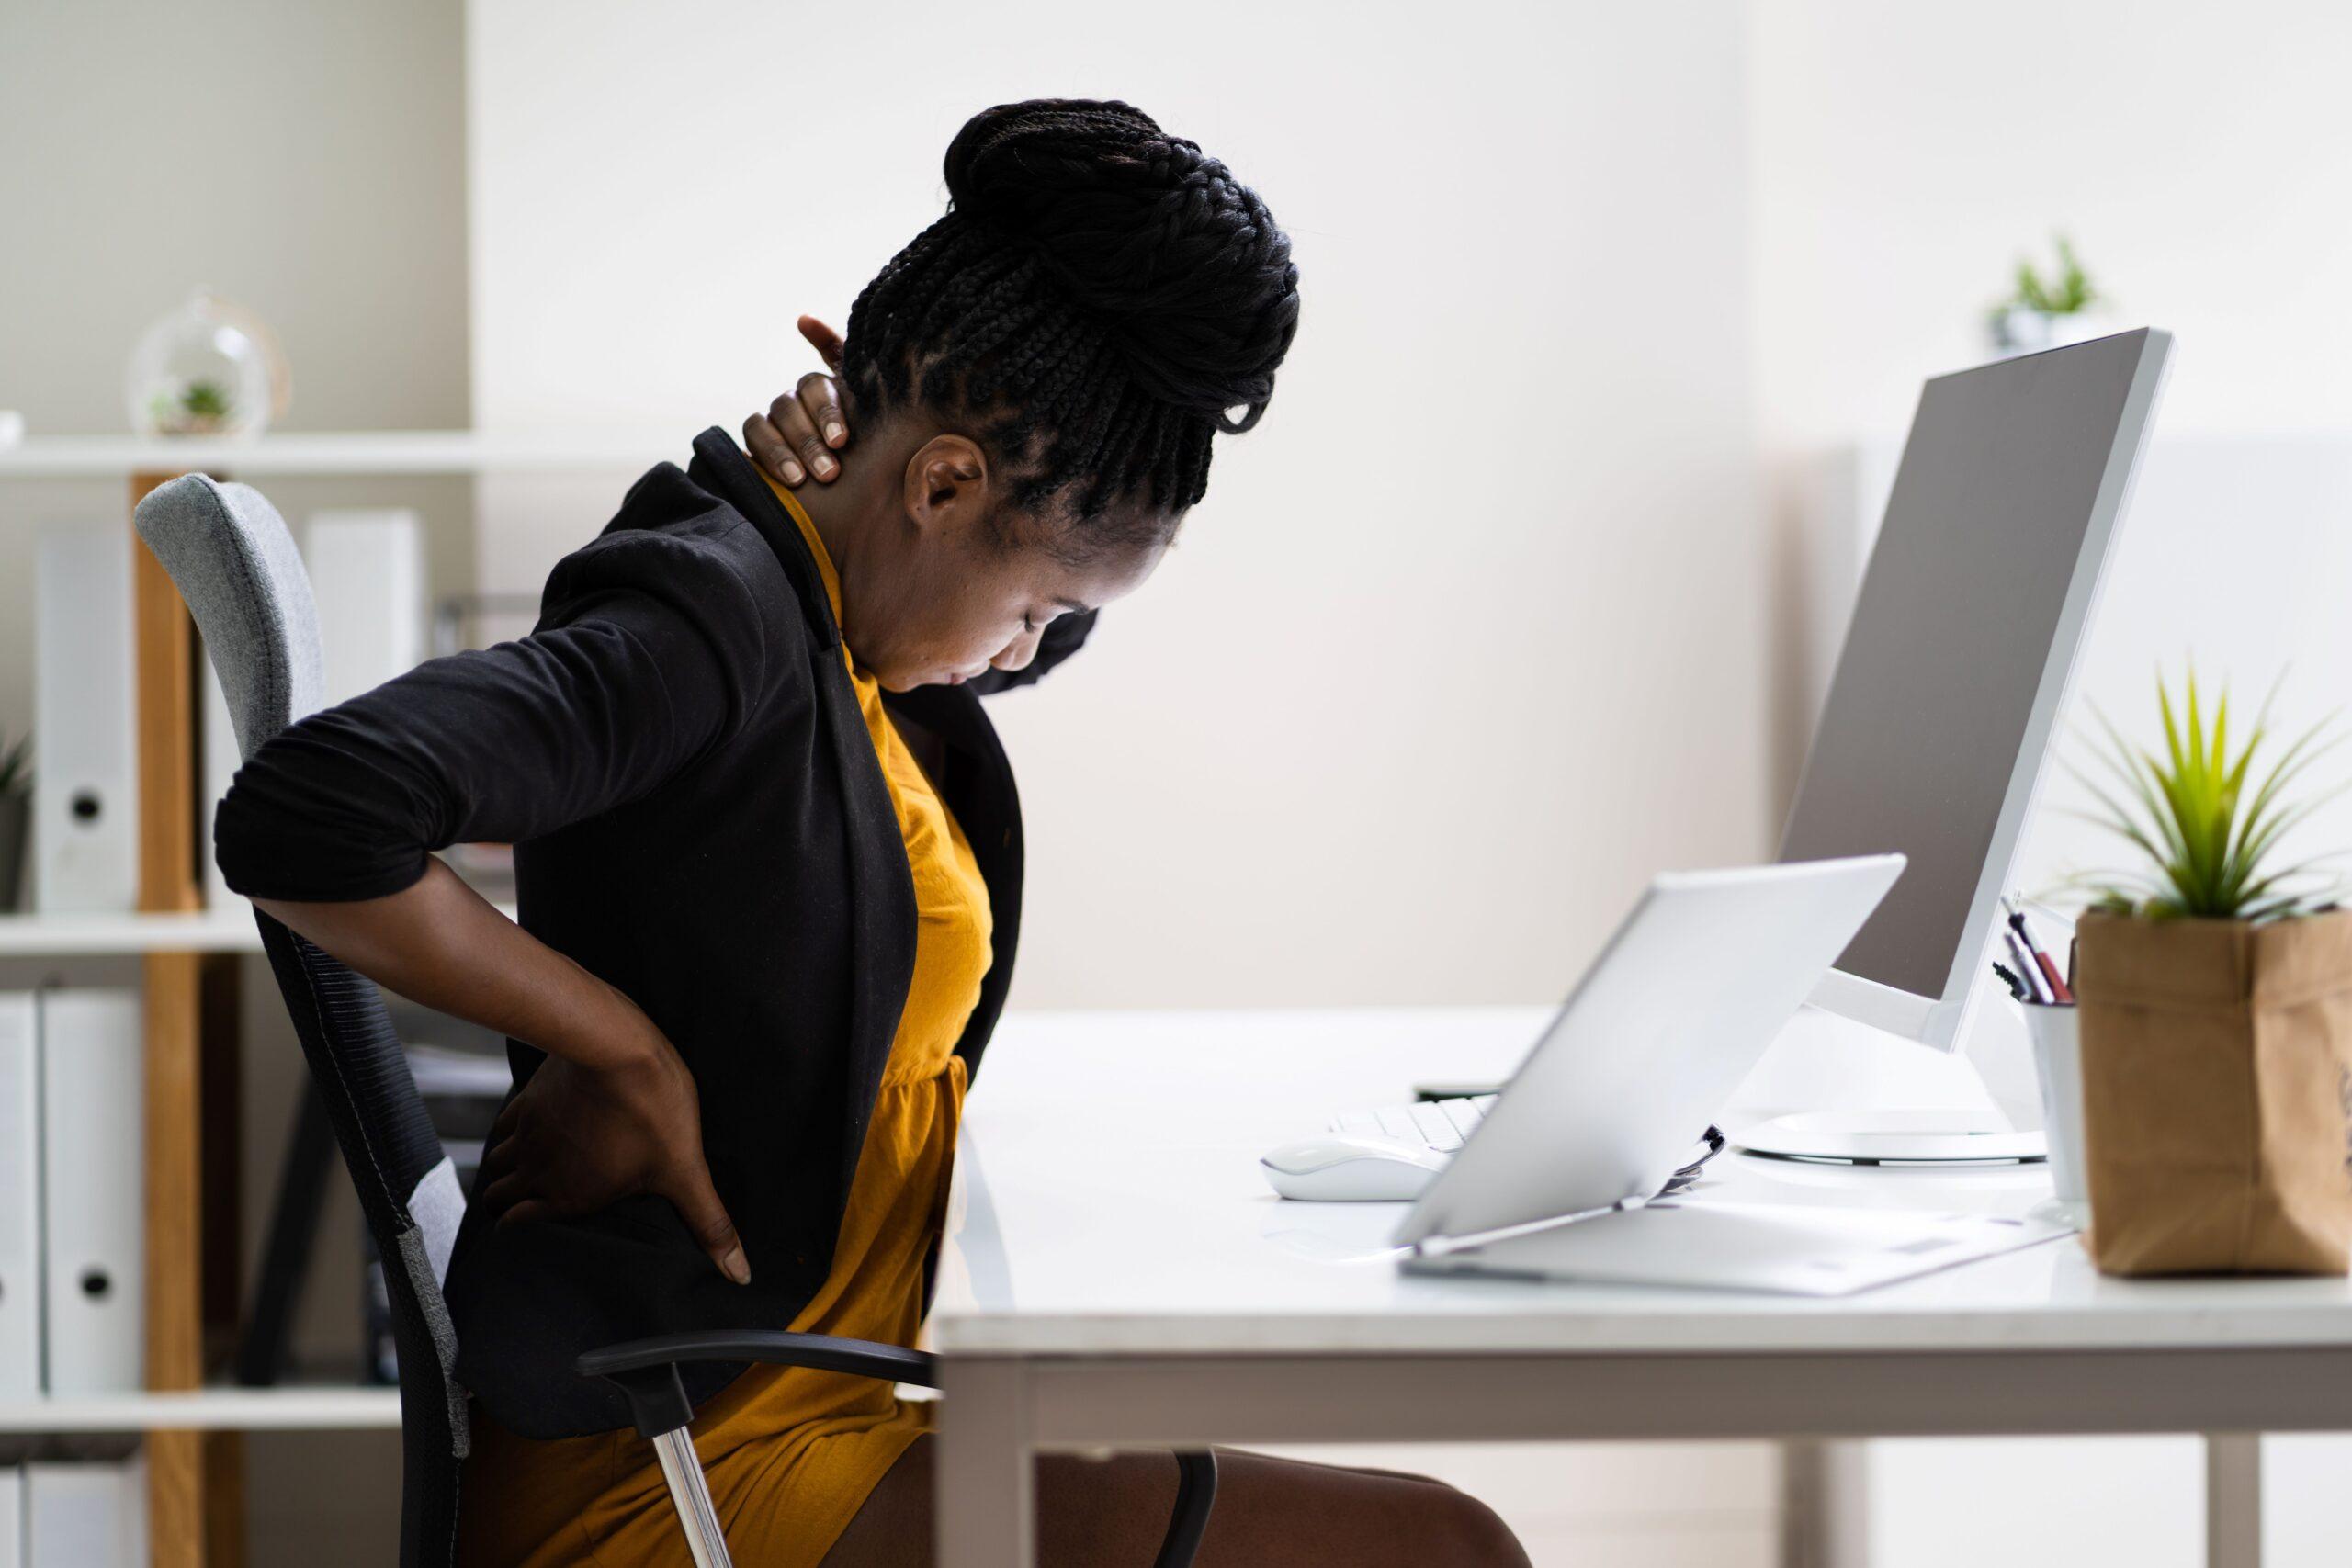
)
(699, 818)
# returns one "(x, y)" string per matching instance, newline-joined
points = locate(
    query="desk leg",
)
(2233, 1500)
(1825, 1491)
(986, 1472)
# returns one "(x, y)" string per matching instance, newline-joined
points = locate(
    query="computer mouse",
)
(1351, 1168)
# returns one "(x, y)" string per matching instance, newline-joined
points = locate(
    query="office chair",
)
(235, 564)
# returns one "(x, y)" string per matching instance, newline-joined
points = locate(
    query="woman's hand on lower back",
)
(802, 429)
(611, 1113)
(577, 1138)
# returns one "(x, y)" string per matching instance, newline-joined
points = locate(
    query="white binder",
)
(87, 1514)
(86, 778)
(367, 571)
(12, 1516)
(92, 1176)
(20, 1288)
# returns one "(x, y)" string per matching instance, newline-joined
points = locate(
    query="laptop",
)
(1558, 1179)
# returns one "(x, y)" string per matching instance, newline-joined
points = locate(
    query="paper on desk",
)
(1784, 1248)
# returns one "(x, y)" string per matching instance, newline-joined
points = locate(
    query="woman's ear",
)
(945, 488)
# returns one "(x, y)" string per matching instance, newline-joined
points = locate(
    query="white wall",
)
(1904, 157)
(305, 160)
(1467, 639)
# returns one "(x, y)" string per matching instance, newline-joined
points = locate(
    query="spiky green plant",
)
(2070, 291)
(2209, 829)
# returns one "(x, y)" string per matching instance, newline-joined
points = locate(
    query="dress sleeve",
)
(1063, 636)
(648, 650)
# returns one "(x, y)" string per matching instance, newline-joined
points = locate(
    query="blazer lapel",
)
(880, 912)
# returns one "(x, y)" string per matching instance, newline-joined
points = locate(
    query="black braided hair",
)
(1096, 298)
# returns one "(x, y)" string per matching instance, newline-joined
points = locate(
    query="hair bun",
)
(1181, 261)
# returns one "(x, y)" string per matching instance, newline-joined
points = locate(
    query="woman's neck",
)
(835, 509)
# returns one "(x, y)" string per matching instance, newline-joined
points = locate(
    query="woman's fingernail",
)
(792, 473)
(826, 465)
(834, 433)
(736, 1269)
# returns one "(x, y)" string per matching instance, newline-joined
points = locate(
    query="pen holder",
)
(2058, 1067)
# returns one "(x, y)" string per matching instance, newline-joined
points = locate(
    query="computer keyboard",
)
(1442, 1125)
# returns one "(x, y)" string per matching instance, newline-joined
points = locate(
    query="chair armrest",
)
(646, 1371)
(823, 1352)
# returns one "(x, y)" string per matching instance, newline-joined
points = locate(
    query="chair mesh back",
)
(234, 563)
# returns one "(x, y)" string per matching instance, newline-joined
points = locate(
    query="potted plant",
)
(15, 816)
(2214, 987)
(2050, 312)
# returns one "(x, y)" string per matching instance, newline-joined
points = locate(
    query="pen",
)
(2036, 984)
(2040, 961)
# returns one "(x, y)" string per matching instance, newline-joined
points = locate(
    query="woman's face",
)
(935, 589)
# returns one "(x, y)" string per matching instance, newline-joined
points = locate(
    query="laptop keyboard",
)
(1442, 1125)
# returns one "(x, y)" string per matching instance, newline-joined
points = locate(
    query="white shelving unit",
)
(26, 935)
(176, 1489)
(356, 452)
(229, 929)
(294, 1408)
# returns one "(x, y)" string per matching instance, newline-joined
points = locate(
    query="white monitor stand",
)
(1876, 1098)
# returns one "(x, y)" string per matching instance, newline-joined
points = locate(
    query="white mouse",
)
(1351, 1168)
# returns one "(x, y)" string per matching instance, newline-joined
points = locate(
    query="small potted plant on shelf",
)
(2049, 312)
(15, 816)
(2214, 987)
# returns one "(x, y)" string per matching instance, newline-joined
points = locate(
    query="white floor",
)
(1614, 1505)
(2020, 1503)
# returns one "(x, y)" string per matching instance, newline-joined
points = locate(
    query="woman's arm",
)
(439, 942)
(329, 825)
(611, 1113)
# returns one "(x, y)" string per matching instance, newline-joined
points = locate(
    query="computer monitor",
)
(1937, 726)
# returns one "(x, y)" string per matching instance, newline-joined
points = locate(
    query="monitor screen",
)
(1965, 593)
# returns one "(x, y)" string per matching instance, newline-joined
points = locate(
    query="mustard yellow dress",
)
(790, 1453)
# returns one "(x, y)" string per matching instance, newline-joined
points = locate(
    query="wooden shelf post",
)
(194, 1479)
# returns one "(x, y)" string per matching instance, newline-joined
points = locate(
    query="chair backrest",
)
(229, 552)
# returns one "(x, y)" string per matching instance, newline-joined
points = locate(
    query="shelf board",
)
(295, 1408)
(229, 929)
(30, 934)
(354, 452)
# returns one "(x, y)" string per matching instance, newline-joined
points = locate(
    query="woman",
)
(768, 860)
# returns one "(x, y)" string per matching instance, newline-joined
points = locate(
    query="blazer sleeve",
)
(648, 650)
(1064, 635)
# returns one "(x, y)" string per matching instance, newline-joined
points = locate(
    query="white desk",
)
(1119, 1276)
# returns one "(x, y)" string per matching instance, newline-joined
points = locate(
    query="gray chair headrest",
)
(235, 564)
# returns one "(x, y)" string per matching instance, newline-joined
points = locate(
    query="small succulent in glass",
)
(209, 368)
(2209, 829)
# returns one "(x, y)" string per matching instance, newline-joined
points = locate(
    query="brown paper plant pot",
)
(2217, 1093)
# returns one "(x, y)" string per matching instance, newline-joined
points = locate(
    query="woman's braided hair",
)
(1097, 298)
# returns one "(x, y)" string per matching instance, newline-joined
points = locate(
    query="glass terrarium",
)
(208, 368)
